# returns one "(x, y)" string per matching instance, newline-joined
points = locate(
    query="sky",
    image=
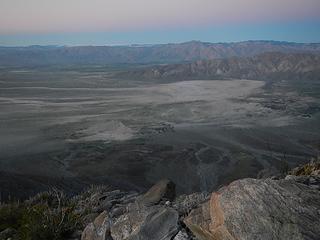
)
(121, 22)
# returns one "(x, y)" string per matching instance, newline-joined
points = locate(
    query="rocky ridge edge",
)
(286, 207)
(273, 208)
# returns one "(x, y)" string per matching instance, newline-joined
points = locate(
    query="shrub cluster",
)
(49, 215)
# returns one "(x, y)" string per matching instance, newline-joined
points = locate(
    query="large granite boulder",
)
(158, 222)
(252, 209)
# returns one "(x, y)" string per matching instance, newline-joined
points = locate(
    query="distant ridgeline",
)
(135, 54)
(265, 66)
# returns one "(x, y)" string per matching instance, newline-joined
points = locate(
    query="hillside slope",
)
(264, 66)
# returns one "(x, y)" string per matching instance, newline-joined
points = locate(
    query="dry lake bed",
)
(70, 128)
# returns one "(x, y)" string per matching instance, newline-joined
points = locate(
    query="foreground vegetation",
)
(48, 215)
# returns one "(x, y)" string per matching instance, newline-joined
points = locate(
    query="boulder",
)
(164, 190)
(160, 224)
(146, 218)
(155, 222)
(99, 229)
(124, 225)
(258, 209)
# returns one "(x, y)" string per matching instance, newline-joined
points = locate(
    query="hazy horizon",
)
(156, 43)
(110, 22)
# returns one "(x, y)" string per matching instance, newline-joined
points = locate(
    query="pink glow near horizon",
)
(37, 16)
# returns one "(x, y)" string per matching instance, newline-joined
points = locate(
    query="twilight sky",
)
(104, 22)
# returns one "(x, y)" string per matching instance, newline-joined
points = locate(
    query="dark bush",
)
(47, 216)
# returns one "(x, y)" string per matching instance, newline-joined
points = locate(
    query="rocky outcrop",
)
(99, 229)
(258, 209)
(148, 216)
(158, 222)
(246, 209)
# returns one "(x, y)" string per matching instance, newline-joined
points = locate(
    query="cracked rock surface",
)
(258, 209)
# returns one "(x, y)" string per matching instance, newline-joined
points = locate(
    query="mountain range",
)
(265, 66)
(162, 53)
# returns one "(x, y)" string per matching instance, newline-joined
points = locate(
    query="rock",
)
(117, 211)
(124, 225)
(89, 218)
(185, 203)
(143, 222)
(130, 217)
(312, 181)
(258, 209)
(99, 198)
(301, 179)
(99, 229)
(277, 177)
(199, 220)
(89, 233)
(182, 235)
(164, 190)
(290, 177)
(160, 224)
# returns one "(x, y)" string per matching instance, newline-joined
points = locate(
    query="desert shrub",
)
(48, 215)
(89, 199)
(53, 198)
(42, 222)
(11, 215)
(307, 169)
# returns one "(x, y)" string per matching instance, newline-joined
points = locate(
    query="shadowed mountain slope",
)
(273, 65)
